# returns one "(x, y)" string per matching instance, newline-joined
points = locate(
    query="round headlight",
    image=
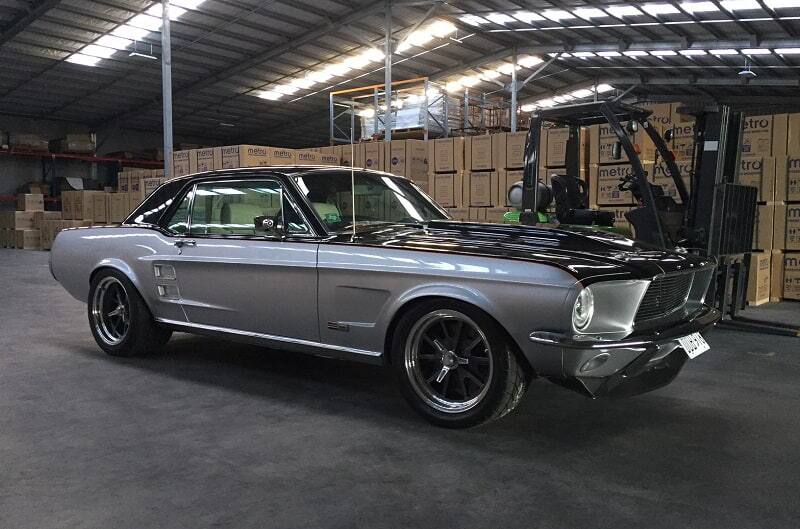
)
(583, 310)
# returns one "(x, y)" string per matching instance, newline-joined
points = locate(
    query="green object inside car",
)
(328, 212)
(512, 217)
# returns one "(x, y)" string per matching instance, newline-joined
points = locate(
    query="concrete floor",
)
(224, 435)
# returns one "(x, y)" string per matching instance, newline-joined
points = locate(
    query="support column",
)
(387, 135)
(166, 87)
(514, 93)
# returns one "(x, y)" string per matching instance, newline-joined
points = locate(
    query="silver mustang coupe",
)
(365, 266)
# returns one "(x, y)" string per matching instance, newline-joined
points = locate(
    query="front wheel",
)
(120, 321)
(454, 364)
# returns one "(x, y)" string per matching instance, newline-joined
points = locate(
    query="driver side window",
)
(255, 208)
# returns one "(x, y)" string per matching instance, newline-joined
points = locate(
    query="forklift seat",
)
(572, 203)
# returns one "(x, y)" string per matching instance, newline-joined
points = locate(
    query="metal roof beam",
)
(18, 25)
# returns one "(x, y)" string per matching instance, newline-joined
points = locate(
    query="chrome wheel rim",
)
(448, 361)
(111, 311)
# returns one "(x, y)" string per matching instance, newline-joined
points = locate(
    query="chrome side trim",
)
(321, 348)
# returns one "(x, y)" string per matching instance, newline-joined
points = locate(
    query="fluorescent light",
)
(690, 53)
(581, 93)
(98, 51)
(528, 107)
(609, 54)
(500, 18)
(319, 76)
(129, 32)
(782, 4)
(418, 38)
(740, 5)
(271, 95)
(557, 14)
(356, 62)
(111, 41)
(546, 103)
(634, 53)
(285, 89)
(453, 86)
(373, 55)
(85, 60)
(603, 88)
(529, 61)
(490, 74)
(724, 51)
(337, 70)
(787, 51)
(660, 9)
(756, 51)
(528, 16)
(662, 53)
(698, 7)
(472, 20)
(303, 83)
(588, 13)
(624, 11)
(145, 22)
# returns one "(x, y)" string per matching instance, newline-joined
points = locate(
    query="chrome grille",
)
(664, 295)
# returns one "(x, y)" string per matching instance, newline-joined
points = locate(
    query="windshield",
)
(378, 199)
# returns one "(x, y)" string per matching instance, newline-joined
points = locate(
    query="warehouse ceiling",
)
(261, 71)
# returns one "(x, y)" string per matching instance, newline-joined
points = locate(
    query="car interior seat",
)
(572, 203)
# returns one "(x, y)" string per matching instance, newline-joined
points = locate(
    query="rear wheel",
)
(454, 364)
(119, 319)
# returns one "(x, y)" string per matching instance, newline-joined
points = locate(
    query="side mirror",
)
(669, 134)
(616, 151)
(268, 226)
(632, 126)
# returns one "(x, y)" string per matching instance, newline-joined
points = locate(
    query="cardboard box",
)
(28, 239)
(793, 135)
(208, 159)
(478, 153)
(350, 154)
(607, 179)
(763, 230)
(183, 163)
(764, 135)
(461, 214)
(407, 158)
(758, 283)
(100, 208)
(619, 215)
(39, 218)
(759, 173)
(602, 140)
(83, 204)
(374, 155)
(787, 178)
(448, 189)
(4, 237)
(495, 215)
(509, 149)
(448, 155)
(477, 214)
(483, 189)
(17, 220)
(662, 113)
(330, 155)
(123, 182)
(149, 185)
(308, 157)
(791, 276)
(234, 156)
(30, 202)
(118, 207)
(75, 143)
(791, 239)
(136, 190)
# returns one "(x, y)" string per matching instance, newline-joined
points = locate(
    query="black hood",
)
(587, 254)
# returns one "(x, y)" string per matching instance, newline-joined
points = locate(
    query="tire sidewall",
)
(135, 306)
(501, 356)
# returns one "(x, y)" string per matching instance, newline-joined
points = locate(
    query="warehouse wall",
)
(15, 171)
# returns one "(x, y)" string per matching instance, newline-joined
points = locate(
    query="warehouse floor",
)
(217, 434)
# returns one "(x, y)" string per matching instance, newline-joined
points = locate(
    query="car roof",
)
(288, 170)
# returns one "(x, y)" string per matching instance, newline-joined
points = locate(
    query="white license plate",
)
(694, 344)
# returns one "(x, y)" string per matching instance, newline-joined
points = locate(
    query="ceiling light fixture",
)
(588, 13)
(660, 9)
(740, 5)
(624, 11)
(528, 16)
(698, 7)
(557, 14)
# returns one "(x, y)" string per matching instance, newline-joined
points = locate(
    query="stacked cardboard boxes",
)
(19, 227)
(446, 175)
(408, 158)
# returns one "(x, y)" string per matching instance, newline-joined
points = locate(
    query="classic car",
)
(363, 265)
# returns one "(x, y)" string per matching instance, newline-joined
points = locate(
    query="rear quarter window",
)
(152, 209)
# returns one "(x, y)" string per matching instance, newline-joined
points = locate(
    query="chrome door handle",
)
(180, 243)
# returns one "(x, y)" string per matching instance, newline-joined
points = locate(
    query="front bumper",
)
(625, 367)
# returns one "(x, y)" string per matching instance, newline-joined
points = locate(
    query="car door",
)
(247, 260)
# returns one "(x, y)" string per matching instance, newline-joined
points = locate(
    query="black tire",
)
(505, 379)
(132, 331)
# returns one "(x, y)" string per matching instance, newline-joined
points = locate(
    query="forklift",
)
(715, 216)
